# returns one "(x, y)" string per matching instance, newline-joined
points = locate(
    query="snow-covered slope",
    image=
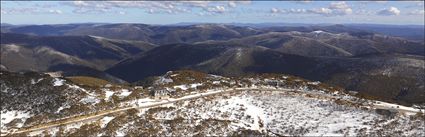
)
(197, 104)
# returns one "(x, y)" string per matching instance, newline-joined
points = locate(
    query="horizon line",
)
(193, 23)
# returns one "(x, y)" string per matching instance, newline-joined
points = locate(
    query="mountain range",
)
(362, 58)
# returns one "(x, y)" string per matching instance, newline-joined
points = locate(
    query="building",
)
(159, 93)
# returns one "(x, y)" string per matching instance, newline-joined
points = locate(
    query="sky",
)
(170, 12)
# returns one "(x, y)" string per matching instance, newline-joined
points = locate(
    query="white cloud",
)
(111, 6)
(334, 9)
(55, 11)
(338, 5)
(216, 9)
(275, 10)
(30, 10)
(45, 5)
(80, 3)
(324, 11)
(389, 12)
(417, 12)
(298, 10)
(232, 4)
(202, 4)
(340, 8)
(3, 11)
(288, 11)
(151, 11)
(155, 7)
(19, 10)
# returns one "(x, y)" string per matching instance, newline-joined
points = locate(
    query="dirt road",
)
(107, 112)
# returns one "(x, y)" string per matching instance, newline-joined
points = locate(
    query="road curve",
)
(107, 112)
(95, 115)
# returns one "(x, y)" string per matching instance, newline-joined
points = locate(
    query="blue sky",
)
(169, 12)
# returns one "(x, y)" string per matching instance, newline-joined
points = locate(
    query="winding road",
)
(107, 112)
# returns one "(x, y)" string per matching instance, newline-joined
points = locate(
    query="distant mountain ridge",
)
(237, 60)
(142, 31)
(343, 55)
(22, 52)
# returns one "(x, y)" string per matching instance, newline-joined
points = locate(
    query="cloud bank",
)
(391, 11)
(334, 9)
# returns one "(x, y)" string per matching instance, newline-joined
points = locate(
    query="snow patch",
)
(239, 54)
(12, 47)
(108, 94)
(9, 116)
(318, 31)
(77, 88)
(121, 132)
(63, 107)
(183, 87)
(124, 93)
(97, 37)
(314, 83)
(35, 82)
(90, 99)
(105, 120)
(58, 82)
(173, 75)
(195, 85)
(256, 113)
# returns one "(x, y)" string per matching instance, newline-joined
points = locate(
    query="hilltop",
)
(194, 103)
